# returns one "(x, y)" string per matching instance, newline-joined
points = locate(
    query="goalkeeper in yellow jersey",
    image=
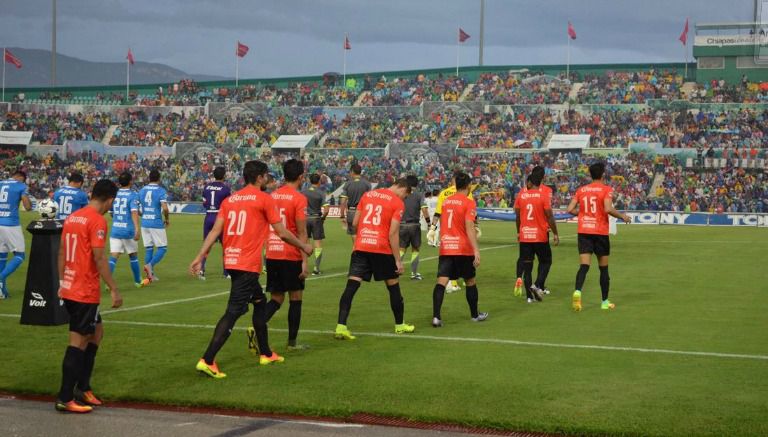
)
(433, 235)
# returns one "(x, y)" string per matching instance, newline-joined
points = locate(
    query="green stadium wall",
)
(470, 73)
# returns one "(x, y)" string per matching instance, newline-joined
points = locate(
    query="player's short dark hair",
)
(103, 190)
(538, 170)
(292, 170)
(435, 192)
(536, 178)
(462, 180)
(403, 183)
(597, 170)
(356, 169)
(252, 170)
(219, 173)
(76, 177)
(154, 175)
(314, 179)
(124, 179)
(20, 173)
(413, 181)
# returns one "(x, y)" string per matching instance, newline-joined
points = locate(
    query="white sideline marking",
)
(460, 339)
(475, 340)
(301, 422)
(157, 304)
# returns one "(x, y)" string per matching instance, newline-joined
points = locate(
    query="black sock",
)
(70, 372)
(345, 303)
(527, 278)
(396, 303)
(581, 276)
(437, 300)
(605, 281)
(472, 298)
(294, 320)
(220, 335)
(542, 273)
(272, 307)
(89, 359)
(519, 271)
(259, 320)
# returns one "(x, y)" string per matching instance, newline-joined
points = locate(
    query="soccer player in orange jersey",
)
(243, 220)
(287, 265)
(459, 253)
(545, 255)
(81, 261)
(534, 219)
(376, 252)
(594, 205)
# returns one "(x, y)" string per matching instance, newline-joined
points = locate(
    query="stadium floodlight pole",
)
(482, 31)
(53, 46)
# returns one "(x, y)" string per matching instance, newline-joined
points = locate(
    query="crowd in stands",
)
(520, 89)
(618, 128)
(743, 129)
(499, 176)
(617, 87)
(412, 92)
(723, 190)
(717, 91)
(53, 127)
(140, 129)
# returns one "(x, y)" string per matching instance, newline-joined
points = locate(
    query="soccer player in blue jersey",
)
(12, 191)
(70, 198)
(154, 220)
(214, 194)
(124, 236)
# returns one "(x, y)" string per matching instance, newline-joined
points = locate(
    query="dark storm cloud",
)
(293, 37)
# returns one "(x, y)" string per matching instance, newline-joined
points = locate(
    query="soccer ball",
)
(47, 209)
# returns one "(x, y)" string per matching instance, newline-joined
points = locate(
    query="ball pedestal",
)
(41, 304)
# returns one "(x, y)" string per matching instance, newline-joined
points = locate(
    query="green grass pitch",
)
(677, 290)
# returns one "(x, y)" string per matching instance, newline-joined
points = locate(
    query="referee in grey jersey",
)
(317, 211)
(351, 193)
(410, 226)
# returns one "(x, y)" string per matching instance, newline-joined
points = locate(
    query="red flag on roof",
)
(11, 59)
(242, 49)
(571, 31)
(684, 36)
(347, 45)
(463, 36)
(130, 57)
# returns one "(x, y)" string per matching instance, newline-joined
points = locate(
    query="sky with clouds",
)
(303, 37)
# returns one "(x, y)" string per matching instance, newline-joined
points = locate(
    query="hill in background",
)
(70, 71)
